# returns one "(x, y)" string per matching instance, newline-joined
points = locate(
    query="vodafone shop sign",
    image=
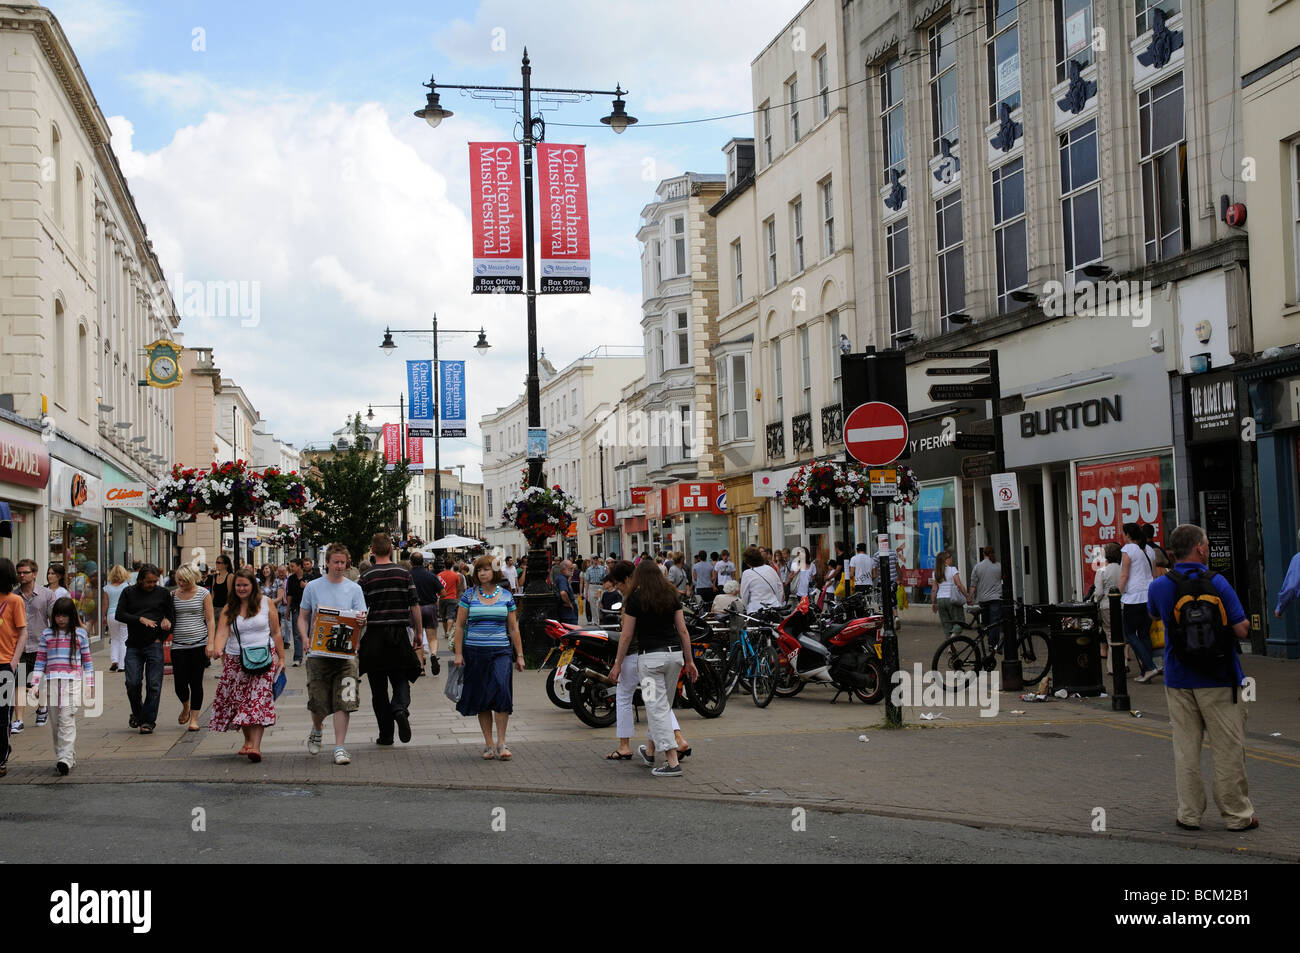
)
(127, 495)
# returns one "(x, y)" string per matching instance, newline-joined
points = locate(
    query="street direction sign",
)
(875, 433)
(976, 466)
(977, 370)
(960, 355)
(974, 390)
(973, 441)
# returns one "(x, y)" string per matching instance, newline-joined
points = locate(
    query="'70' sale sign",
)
(1110, 495)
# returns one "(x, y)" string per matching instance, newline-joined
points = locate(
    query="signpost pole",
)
(1011, 670)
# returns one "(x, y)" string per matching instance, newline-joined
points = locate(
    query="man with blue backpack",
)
(1203, 621)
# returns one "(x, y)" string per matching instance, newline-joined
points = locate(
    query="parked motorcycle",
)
(845, 655)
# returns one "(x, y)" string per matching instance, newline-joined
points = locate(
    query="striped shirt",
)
(55, 656)
(390, 594)
(191, 626)
(486, 627)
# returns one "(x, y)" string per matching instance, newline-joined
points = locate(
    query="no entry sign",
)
(875, 433)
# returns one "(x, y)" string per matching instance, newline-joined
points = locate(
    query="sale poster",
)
(335, 634)
(1110, 495)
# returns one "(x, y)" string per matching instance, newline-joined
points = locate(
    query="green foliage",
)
(355, 497)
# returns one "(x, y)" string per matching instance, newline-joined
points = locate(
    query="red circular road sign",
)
(875, 433)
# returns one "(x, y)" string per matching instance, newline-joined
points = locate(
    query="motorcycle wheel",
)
(707, 694)
(591, 705)
(788, 683)
(763, 688)
(874, 693)
(558, 692)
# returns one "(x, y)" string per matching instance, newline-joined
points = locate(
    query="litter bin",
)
(1075, 644)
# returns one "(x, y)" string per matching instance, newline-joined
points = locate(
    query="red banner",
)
(1110, 495)
(566, 241)
(638, 494)
(496, 217)
(392, 445)
(414, 450)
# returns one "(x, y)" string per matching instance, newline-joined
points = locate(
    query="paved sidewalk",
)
(1048, 768)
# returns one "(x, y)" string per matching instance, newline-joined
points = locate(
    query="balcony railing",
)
(801, 432)
(832, 424)
(776, 440)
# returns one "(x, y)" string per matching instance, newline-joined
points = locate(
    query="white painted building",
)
(571, 399)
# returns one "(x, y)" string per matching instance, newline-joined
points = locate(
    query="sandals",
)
(618, 756)
(254, 755)
(185, 715)
(146, 729)
(503, 753)
(489, 754)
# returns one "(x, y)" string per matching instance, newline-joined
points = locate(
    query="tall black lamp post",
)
(388, 347)
(537, 588)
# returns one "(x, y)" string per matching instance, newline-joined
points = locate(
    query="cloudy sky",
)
(275, 144)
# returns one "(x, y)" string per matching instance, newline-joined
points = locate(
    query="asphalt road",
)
(253, 823)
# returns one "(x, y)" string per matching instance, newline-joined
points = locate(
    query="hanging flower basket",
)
(287, 536)
(177, 496)
(540, 513)
(909, 489)
(230, 490)
(288, 490)
(828, 484)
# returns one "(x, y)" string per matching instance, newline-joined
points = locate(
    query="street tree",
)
(356, 496)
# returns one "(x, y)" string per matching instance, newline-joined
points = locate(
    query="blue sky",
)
(274, 143)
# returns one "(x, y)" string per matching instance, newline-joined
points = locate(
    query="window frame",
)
(897, 275)
(1152, 163)
(826, 190)
(798, 260)
(1003, 226)
(891, 103)
(731, 386)
(681, 332)
(837, 371)
(947, 248)
(805, 370)
(737, 264)
(766, 110)
(938, 77)
(1077, 192)
(1088, 56)
(778, 380)
(1141, 9)
(681, 260)
(822, 71)
(792, 98)
(769, 227)
(993, 35)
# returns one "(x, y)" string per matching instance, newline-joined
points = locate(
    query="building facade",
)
(83, 295)
(1268, 389)
(787, 305)
(1045, 180)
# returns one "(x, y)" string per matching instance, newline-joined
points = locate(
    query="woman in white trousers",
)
(118, 579)
(652, 614)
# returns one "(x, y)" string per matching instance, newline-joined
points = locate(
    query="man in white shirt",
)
(862, 569)
(724, 570)
(333, 684)
(511, 574)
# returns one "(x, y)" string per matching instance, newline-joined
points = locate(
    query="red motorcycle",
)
(846, 655)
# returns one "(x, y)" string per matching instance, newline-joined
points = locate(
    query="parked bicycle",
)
(753, 658)
(972, 653)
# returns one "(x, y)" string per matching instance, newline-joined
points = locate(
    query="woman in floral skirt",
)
(245, 701)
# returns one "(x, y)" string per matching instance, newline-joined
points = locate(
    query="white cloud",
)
(94, 26)
(348, 221)
(672, 54)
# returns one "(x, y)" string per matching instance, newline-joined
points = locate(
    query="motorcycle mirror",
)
(616, 607)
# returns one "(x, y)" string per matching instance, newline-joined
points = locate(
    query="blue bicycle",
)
(753, 660)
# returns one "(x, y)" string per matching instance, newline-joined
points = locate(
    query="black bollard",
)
(1119, 700)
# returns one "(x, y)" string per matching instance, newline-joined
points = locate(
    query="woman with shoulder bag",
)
(947, 587)
(248, 641)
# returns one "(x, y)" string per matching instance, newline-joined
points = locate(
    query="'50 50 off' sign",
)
(1110, 495)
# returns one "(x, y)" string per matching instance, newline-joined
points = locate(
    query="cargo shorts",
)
(332, 685)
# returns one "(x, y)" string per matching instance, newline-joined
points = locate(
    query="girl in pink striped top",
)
(62, 656)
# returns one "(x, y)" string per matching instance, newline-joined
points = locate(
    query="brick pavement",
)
(1045, 769)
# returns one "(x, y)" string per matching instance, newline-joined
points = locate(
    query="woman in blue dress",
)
(486, 642)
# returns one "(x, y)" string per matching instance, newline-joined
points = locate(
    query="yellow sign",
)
(884, 476)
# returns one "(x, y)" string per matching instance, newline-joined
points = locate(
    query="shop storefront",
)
(1274, 391)
(1091, 452)
(76, 538)
(811, 528)
(132, 532)
(24, 476)
(694, 517)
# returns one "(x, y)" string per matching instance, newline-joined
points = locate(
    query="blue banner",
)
(451, 403)
(929, 526)
(419, 397)
(448, 508)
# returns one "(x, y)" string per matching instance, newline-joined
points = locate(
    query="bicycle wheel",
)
(735, 662)
(958, 654)
(1035, 656)
(706, 694)
(766, 662)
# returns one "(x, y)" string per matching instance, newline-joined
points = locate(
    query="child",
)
(61, 646)
(609, 597)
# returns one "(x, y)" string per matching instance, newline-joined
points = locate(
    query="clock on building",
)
(164, 363)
